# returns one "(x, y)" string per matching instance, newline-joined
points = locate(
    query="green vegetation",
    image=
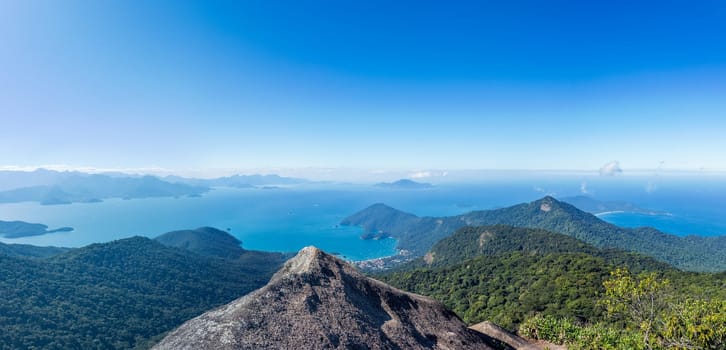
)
(506, 289)
(30, 251)
(643, 312)
(419, 234)
(512, 274)
(117, 295)
(470, 242)
(207, 241)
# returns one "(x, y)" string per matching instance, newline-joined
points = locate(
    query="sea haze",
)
(287, 219)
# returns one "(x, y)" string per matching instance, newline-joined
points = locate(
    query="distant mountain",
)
(419, 234)
(404, 184)
(71, 187)
(16, 229)
(10, 179)
(117, 295)
(317, 301)
(30, 251)
(239, 181)
(594, 206)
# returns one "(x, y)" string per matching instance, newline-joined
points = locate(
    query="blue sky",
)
(363, 84)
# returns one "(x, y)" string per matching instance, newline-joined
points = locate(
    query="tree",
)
(665, 319)
(638, 301)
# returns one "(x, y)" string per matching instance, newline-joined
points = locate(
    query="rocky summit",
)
(317, 301)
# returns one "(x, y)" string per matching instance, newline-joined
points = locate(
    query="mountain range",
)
(200, 289)
(63, 187)
(239, 181)
(418, 234)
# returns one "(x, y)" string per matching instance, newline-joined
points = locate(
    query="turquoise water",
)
(289, 219)
(272, 220)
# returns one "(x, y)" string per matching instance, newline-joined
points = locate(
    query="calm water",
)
(272, 220)
(289, 219)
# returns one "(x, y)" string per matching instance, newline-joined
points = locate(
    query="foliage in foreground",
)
(643, 312)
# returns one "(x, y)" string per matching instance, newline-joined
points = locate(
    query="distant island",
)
(49, 187)
(17, 229)
(238, 181)
(404, 184)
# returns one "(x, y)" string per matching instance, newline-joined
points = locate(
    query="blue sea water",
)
(288, 219)
(285, 219)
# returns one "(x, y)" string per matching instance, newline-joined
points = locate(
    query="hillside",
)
(470, 242)
(506, 275)
(115, 295)
(317, 301)
(419, 234)
(207, 241)
(30, 251)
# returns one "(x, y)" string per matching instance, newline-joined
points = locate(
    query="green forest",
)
(117, 295)
(552, 287)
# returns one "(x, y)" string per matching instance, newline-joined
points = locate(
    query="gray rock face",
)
(317, 301)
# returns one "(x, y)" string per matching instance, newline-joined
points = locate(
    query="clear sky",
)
(363, 84)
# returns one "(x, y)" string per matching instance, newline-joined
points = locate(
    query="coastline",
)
(610, 212)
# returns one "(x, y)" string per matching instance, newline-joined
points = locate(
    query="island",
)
(18, 229)
(404, 184)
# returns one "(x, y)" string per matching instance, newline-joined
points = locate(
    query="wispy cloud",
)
(583, 188)
(611, 168)
(427, 173)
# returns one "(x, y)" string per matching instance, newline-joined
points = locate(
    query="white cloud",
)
(420, 174)
(583, 188)
(611, 168)
(424, 174)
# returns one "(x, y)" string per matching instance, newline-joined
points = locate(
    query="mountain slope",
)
(207, 241)
(115, 295)
(30, 251)
(419, 234)
(317, 301)
(507, 274)
(473, 241)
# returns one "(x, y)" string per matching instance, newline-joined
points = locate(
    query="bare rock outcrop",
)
(317, 301)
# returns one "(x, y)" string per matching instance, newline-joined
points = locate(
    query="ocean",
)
(287, 219)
